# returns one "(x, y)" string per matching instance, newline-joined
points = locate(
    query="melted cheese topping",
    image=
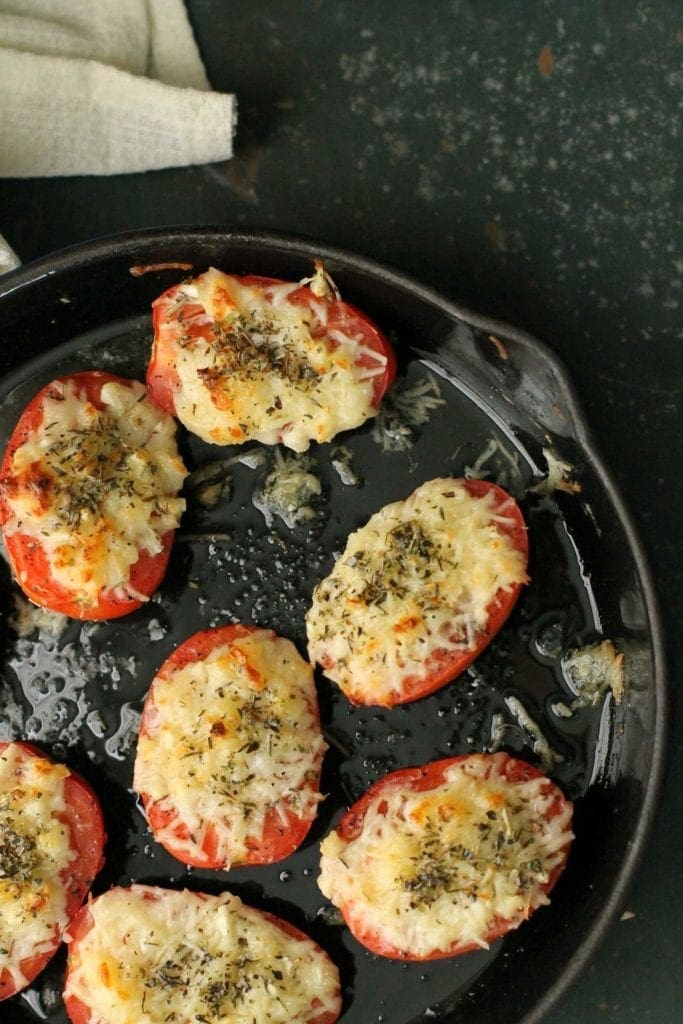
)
(435, 869)
(35, 852)
(97, 487)
(417, 579)
(271, 370)
(229, 739)
(154, 955)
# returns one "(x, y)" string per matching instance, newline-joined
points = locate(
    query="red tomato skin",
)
(420, 779)
(26, 554)
(279, 839)
(83, 816)
(77, 1010)
(82, 923)
(447, 665)
(162, 378)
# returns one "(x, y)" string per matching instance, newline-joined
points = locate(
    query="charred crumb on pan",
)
(593, 671)
(560, 476)
(148, 268)
(289, 490)
(499, 347)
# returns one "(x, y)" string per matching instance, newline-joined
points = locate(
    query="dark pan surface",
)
(500, 399)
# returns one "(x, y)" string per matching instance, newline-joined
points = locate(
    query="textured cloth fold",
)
(105, 88)
(8, 258)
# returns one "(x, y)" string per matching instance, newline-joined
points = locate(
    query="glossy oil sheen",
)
(80, 695)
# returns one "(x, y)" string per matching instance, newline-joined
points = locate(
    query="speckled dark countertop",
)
(523, 159)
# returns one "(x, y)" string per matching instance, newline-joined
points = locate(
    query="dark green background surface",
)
(523, 159)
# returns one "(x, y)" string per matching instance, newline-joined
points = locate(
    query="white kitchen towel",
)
(8, 258)
(105, 87)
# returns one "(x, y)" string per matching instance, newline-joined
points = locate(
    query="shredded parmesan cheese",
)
(404, 409)
(154, 955)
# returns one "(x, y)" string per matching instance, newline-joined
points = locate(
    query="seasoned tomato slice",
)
(88, 496)
(445, 858)
(255, 359)
(419, 591)
(51, 842)
(230, 749)
(129, 960)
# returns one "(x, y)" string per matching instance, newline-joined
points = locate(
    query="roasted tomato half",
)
(254, 359)
(89, 496)
(419, 591)
(156, 954)
(51, 842)
(445, 858)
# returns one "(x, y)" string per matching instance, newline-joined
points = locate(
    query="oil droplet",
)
(96, 724)
(51, 994)
(329, 914)
(549, 638)
(285, 876)
(34, 1001)
(121, 742)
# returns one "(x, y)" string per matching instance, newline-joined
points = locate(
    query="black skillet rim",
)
(84, 255)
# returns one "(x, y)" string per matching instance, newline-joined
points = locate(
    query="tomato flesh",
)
(28, 558)
(83, 817)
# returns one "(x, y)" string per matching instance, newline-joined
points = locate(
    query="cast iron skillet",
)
(497, 401)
